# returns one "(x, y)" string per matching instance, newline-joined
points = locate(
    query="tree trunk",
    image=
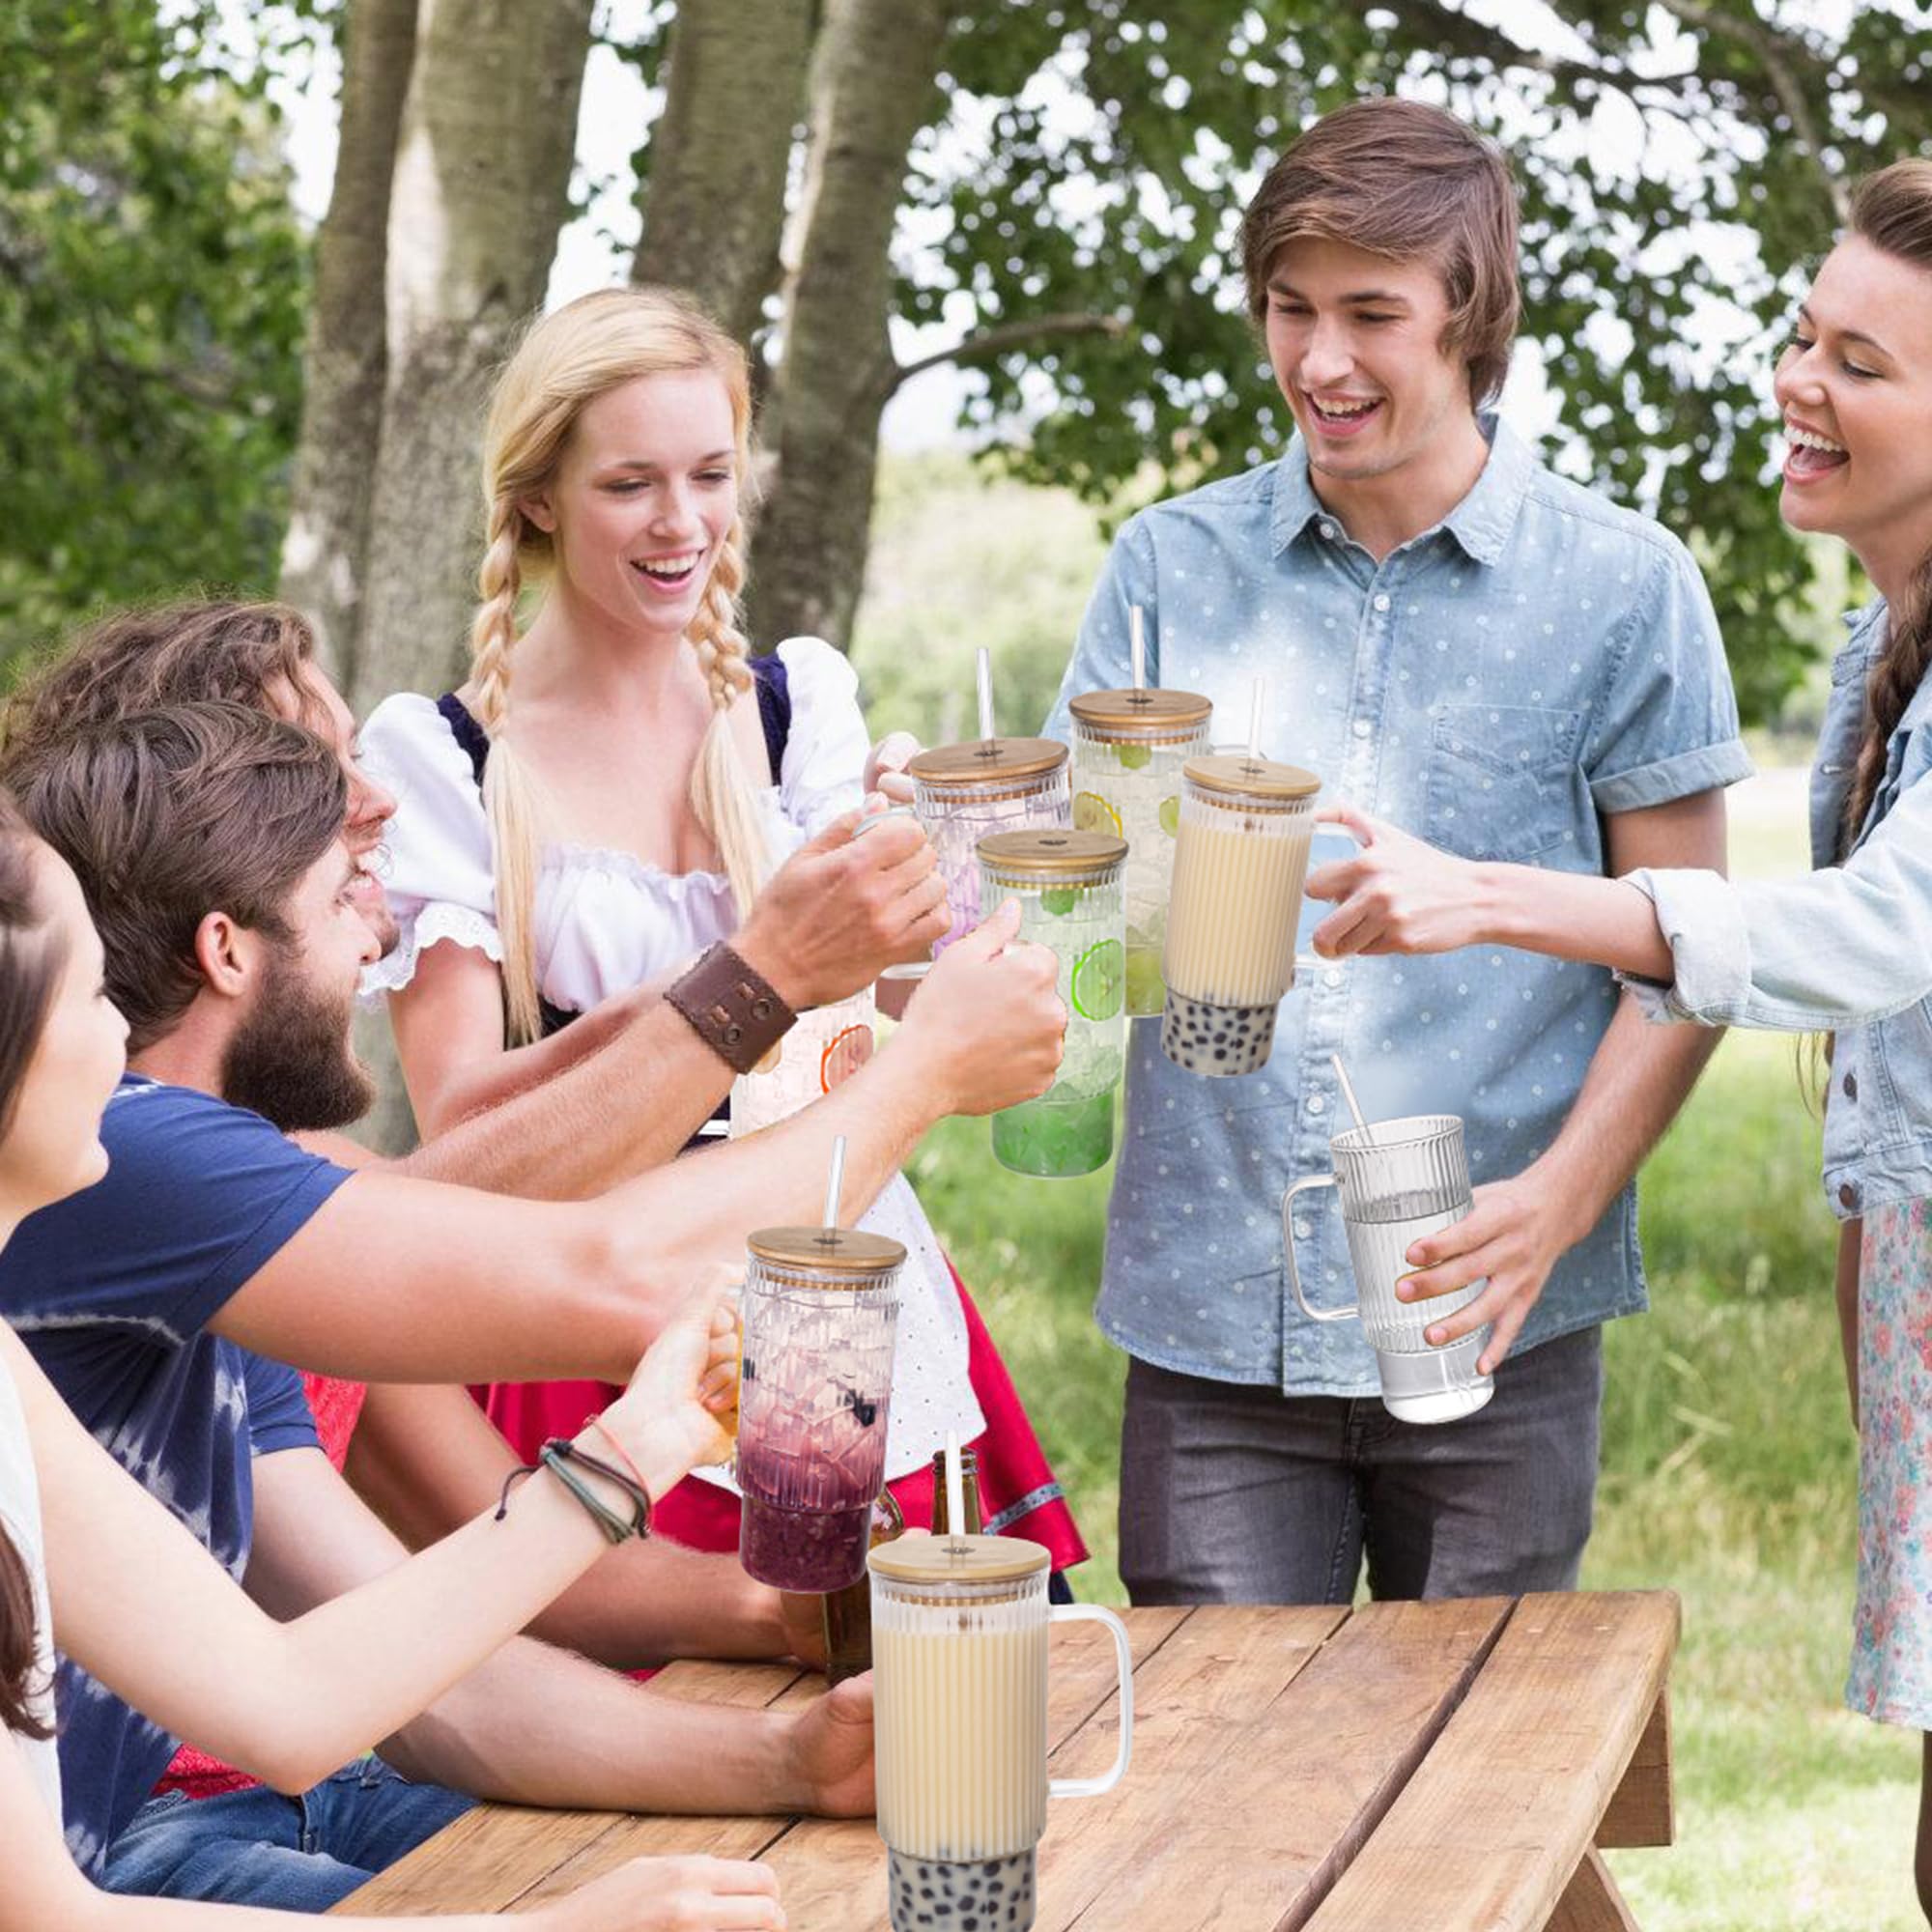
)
(873, 87)
(346, 354)
(481, 185)
(480, 191)
(714, 198)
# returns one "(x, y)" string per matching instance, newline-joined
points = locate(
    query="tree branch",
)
(1005, 335)
(1776, 51)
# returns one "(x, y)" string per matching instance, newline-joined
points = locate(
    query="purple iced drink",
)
(803, 1549)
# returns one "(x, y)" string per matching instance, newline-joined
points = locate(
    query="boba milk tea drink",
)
(1400, 1180)
(959, 1675)
(1128, 750)
(964, 793)
(1068, 886)
(1238, 862)
(820, 1310)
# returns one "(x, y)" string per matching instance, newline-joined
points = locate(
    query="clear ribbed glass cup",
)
(1239, 863)
(820, 1317)
(1128, 750)
(1399, 1180)
(959, 1677)
(1068, 886)
(964, 793)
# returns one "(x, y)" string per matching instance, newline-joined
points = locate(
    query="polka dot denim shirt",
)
(1537, 659)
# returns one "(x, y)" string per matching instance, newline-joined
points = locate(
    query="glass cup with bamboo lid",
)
(1128, 750)
(1068, 886)
(963, 793)
(820, 1316)
(959, 1676)
(1239, 858)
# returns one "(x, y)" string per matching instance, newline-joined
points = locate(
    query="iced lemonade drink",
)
(964, 793)
(960, 1662)
(1068, 886)
(820, 1317)
(1240, 859)
(1128, 750)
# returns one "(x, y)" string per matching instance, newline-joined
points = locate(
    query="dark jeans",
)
(1232, 1494)
(256, 1847)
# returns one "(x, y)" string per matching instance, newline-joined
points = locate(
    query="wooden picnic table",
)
(1444, 1767)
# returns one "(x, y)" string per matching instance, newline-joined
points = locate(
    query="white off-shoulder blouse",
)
(605, 921)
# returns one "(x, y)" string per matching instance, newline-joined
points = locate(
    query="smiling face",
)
(643, 498)
(53, 1148)
(1855, 386)
(1355, 341)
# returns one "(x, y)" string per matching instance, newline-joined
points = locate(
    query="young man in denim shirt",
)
(1466, 644)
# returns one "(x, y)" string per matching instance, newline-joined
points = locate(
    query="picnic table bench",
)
(1442, 1767)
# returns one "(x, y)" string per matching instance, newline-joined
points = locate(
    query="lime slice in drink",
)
(1146, 991)
(1099, 980)
(1170, 815)
(1059, 900)
(1132, 756)
(1093, 813)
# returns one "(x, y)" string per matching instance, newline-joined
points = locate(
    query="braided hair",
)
(565, 362)
(1892, 210)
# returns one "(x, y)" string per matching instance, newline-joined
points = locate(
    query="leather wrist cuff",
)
(732, 1009)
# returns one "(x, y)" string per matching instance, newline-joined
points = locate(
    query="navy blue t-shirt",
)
(113, 1290)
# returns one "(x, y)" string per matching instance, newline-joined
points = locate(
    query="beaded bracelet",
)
(556, 1456)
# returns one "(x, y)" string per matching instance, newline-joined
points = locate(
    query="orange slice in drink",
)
(1093, 813)
(843, 1056)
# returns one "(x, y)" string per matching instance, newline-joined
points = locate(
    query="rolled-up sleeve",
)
(1667, 724)
(1838, 948)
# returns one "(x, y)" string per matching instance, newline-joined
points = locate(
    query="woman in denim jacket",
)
(1848, 948)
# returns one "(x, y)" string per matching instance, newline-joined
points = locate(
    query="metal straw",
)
(832, 1185)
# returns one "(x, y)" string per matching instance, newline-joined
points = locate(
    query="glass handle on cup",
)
(1124, 1663)
(1287, 1249)
(1313, 962)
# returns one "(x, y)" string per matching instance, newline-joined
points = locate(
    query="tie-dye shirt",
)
(112, 1291)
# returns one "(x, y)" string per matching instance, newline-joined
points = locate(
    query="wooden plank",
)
(833, 1874)
(1642, 1810)
(1248, 1804)
(1591, 1901)
(1489, 1832)
(490, 1858)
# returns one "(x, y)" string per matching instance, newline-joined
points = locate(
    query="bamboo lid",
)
(1239, 775)
(833, 1251)
(987, 761)
(934, 1561)
(1050, 854)
(1154, 714)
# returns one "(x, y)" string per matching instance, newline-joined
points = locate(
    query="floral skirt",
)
(1892, 1632)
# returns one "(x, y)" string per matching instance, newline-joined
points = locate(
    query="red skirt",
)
(1017, 1489)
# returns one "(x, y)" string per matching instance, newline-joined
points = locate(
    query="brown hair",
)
(161, 655)
(166, 816)
(1409, 182)
(1892, 210)
(31, 957)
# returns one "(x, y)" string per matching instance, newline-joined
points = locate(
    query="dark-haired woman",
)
(1848, 948)
(83, 1548)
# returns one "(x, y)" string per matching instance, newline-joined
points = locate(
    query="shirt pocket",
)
(1502, 779)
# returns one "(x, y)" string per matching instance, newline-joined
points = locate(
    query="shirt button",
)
(1381, 601)
(1851, 1085)
(1317, 1104)
(1301, 1231)
(1328, 531)
(1360, 727)
(1332, 977)
(1848, 1196)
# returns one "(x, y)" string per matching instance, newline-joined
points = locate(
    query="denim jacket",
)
(1848, 947)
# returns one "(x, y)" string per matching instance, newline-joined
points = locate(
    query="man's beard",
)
(290, 1060)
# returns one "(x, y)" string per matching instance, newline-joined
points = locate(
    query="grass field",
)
(1728, 1472)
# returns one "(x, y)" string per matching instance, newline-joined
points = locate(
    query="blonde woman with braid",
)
(1848, 948)
(604, 797)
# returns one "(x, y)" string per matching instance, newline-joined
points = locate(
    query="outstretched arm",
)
(1639, 1076)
